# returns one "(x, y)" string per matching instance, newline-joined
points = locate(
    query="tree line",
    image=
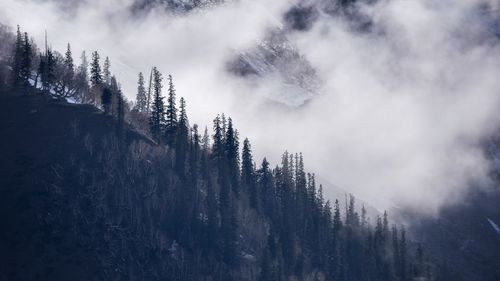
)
(56, 75)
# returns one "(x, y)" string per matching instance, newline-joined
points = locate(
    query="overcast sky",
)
(397, 120)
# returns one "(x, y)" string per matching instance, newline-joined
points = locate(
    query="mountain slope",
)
(464, 236)
(82, 200)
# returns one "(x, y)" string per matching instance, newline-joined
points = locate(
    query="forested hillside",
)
(94, 187)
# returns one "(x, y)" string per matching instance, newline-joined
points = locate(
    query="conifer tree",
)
(65, 86)
(82, 81)
(205, 141)
(141, 98)
(157, 118)
(223, 121)
(247, 173)
(27, 57)
(114, 87)
(47, 70)
(385, 226)
(40, 75)
(96, 77)
(266, 187)
(106, 73)
(364, 221)
(181, 139)
(69, 64)
(148, 102)
(218, 145)
(352, 218)
(84, 66)
(17, 59)
(227, 209)
(171, 114)
(205, 152)
(95, 71)
(337, 221)
(194, 153)
(321, 199)
(311, 193)
(231, 148)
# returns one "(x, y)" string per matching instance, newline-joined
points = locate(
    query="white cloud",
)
(398, 119)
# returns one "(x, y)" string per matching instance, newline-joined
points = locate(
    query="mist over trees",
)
(186, 206)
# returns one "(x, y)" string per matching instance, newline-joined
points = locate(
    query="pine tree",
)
(106, 73)
(364, 220)
(205, 152)
(181, 139)
(352, 218)
(171, 114)
(96, 77)
(141, 98)
(65, 86)
(231, 148)
(82, 81)
(227, 209)
(157, 118)
(69, 64)
(205, 141)
(95, 71)
(223, 121)
(47, 70)
(17, 60)
(41, 70)
(385, 226)
(218, 145)
(114, 87)
(148, 102)
(337, 221)
(247, 173)
(27, 57)
(266, 187)
(321, 199)
(311, 192)
(194, 154)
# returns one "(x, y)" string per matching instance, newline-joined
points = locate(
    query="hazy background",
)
(397, 120)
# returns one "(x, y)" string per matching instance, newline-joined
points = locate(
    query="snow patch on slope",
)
(277, 65)
(494, 225)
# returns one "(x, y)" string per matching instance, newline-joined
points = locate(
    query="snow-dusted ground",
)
(52, 92)
(494, 225)
(277, 65)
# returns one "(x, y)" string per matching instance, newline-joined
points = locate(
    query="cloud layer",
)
(398, 120)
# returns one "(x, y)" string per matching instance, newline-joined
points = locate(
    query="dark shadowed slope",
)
(46, 158)
(464, 235)
(81, 199)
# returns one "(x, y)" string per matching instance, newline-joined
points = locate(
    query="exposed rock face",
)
(277, 63)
